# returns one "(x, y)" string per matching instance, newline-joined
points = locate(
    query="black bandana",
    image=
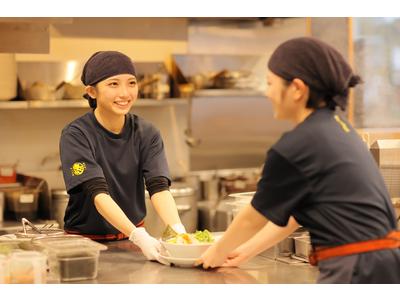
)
(104, 64)
(319, 65)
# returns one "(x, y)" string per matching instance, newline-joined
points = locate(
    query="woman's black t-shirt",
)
(124, 160)
(323, 175)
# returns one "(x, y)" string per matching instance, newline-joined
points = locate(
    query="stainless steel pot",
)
(60, 200)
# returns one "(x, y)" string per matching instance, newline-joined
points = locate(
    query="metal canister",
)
(60, 200)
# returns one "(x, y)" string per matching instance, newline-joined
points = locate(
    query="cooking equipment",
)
(73, 91)
(227, 79)
(221, 71)
(302, 246)
(44, 80)
(155, 86)
(285, 248)
(60, 200)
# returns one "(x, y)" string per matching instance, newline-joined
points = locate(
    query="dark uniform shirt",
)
(124, 160)
(323, 175)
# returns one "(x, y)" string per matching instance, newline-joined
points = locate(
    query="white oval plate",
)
(180, 262)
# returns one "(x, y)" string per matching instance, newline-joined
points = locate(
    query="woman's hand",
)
(212, 258)
(237, 257)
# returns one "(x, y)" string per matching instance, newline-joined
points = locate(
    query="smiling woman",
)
(109, 155)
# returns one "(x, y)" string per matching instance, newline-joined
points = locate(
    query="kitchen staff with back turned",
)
(108, 157)
(319, 175)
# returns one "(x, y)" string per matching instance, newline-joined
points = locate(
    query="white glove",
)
(179, 228)
(149, 245)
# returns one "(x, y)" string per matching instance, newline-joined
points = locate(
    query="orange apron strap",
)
(104, 237)
(390, 241)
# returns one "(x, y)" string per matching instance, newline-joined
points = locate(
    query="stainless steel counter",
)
(123, 262)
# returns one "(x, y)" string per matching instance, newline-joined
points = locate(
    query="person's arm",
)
(165, 206)
(268, 236)
(252, 233)
(164, 203)
(110, 211)
(243, 227)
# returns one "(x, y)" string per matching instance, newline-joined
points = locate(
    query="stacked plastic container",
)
(71, 259)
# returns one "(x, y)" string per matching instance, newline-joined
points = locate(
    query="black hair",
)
(317, 99)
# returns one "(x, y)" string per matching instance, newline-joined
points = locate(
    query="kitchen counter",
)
(123, 262)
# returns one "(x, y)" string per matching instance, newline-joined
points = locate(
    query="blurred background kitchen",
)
(202, 84)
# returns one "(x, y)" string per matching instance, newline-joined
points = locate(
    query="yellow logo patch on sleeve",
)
(78, 168)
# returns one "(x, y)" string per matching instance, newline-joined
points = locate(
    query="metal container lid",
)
(59, 193)
(181, 190)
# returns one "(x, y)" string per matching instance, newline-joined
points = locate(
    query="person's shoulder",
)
(142, 125)
(78, 125)
(299, 140)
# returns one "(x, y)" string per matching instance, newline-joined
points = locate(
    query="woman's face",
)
(117, 94)
(281, 96)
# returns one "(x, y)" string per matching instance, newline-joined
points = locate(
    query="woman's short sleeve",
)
(281, 189)
(77, 158)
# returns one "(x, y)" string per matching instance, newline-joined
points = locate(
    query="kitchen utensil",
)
(27, 222)
(36, 232)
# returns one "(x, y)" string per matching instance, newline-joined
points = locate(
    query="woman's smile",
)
(123, 103)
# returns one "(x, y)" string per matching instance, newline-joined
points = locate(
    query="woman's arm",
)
(252, 233)
(267, 237)
(165, 207)
(110, 210)
(244, 226)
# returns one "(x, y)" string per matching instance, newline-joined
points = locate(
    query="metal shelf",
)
(78, 103)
